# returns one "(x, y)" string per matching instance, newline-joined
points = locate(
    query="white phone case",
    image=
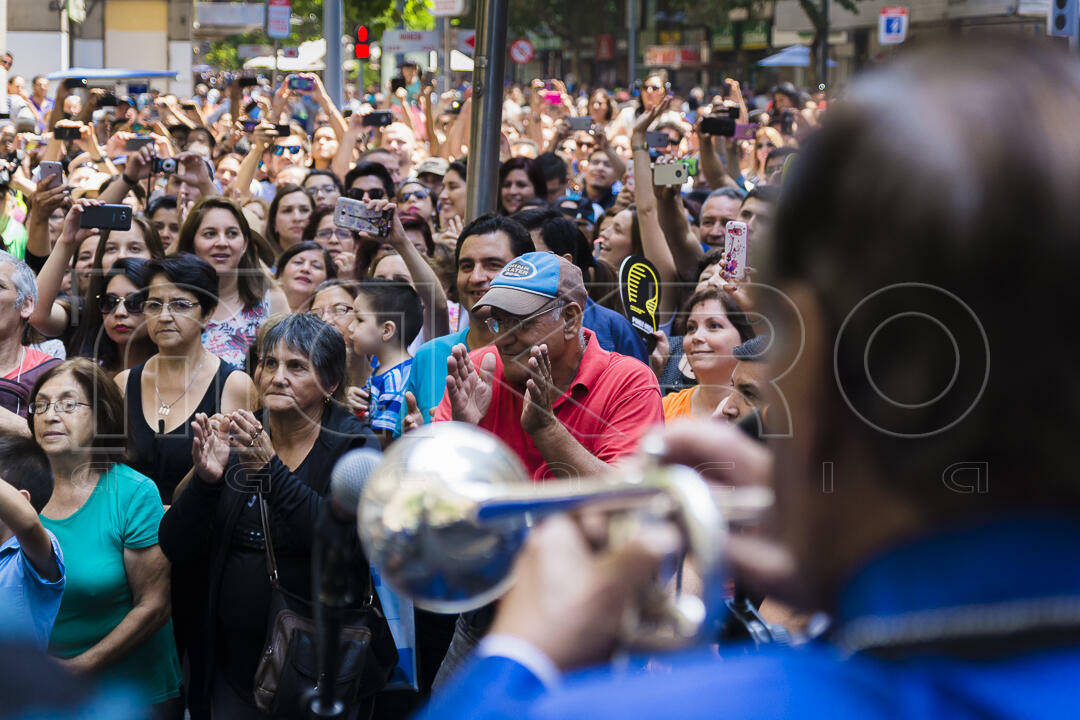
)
(354, 215)
(735, 239)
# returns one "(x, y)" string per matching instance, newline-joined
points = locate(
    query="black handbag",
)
(288, 670)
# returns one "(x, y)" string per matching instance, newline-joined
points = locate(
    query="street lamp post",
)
(333, 29)
(487, 90)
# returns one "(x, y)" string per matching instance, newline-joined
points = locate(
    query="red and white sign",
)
(444, 8)
(278, 15)
(668, 56)
(406, 41)
(466, 42)
(892, 25)
(522, 51)
(605, 47)
(290, 52)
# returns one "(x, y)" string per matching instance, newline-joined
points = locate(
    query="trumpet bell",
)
(417, 517)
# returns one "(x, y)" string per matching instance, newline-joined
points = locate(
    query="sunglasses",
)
(133, 303)
(372, 194)
(420, 194)
(280, 150)
(653, 88)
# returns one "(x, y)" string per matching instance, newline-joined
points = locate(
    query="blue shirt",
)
(427, 381)
(984, 577)
(385, 396)
(613, 331)
(28, 602)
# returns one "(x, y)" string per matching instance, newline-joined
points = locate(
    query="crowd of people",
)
(173, 394)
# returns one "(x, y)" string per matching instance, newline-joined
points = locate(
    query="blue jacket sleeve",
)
(487, 688)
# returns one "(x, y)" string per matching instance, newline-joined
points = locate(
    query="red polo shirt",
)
(612, 401)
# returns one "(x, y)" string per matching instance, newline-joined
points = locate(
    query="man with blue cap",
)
(547, 388)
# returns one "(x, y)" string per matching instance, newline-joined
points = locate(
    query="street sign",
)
(290, 52)
(605, 47)
(892, 25)
(466, 42)
(407, 41)
(278, 15)
(522, 51)
(449, 8)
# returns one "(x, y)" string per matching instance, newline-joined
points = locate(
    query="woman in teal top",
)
(114, 617)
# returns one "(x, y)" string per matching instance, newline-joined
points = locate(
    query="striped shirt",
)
(386, 392)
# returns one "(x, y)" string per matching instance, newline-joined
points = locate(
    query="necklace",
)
(164, 407)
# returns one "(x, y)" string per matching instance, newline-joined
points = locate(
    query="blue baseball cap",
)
(529, 282)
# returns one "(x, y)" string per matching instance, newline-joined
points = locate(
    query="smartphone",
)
(691, 166)
(395, 84)
(378, 118)
(718, 125)
(579, 123)
(745, 131)
(629, 181)
(247, 81)
(283, 130)
(301, 83)
(75, 83)
(138, 88)
(66, 133)
(134, 145)
(735, 241)
(355, 215)
(48, 167)
(553, 98)
(675, 173)
(657, 139)
(249, 125)
(106, 217)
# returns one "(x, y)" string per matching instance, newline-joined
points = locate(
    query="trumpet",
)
(444, 515)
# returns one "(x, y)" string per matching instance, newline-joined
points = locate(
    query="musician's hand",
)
(568, 601)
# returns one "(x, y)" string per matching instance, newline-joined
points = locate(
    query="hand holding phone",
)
(736, 239)
(355, 215)
(657, 139)
(66, 133)
(48, 168)
(378, 118)
(106, 217)
(301, 84)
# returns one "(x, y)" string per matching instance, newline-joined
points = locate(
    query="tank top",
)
(166, 458)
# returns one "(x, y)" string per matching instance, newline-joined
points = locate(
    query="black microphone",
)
(335, 554)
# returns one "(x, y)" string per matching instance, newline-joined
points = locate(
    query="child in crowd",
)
(31, 564)
(387, 316)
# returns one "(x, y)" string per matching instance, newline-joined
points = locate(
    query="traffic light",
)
(363, 50)
(1063, 18)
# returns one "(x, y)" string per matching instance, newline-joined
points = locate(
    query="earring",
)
(326, 400)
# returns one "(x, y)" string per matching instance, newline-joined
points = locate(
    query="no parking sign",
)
(892, 25)
(522, 51)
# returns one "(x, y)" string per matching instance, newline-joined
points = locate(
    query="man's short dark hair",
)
(753, 350)
(374, 169)
(26, 467)
(779, 153)
(160, 202)
(552, 166)
(189, 272)
(534, 218)
(520, 240)
(765, 193)
(397, 302)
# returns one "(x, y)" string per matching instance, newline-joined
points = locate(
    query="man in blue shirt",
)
(485, 245)
(31, 563)
(940, 528)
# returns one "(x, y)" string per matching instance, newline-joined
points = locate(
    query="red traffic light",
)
(363, 50)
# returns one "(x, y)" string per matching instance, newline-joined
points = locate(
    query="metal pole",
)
(823, 47)
(333, 29)
(486, 130)
(444, 26)
(631, 43)
(274, 84)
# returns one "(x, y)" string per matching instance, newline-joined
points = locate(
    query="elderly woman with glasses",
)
(216, 526)
(114, 617)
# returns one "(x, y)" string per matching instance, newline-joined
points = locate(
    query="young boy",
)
(31, 564)
(387, 317)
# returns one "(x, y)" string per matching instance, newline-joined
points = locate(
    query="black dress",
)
(166, 459)
(215, 529)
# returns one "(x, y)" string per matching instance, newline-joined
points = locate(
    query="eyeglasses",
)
(420, 194)
(133, 303)
(502, 327)
(653, 88)
(767, 144)
(64, 405)
(177, 306)
(370, 194)
(280, 150)
(340, 233)
(322, 190)
(338, 310)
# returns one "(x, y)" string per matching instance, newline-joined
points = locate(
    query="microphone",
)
(335, 554)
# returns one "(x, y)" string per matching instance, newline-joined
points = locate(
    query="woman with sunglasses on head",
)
(217, 231)
(289, 213)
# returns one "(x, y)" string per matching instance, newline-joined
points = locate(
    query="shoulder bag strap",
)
(271, 559)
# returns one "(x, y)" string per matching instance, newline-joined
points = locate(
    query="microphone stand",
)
(333, 551)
